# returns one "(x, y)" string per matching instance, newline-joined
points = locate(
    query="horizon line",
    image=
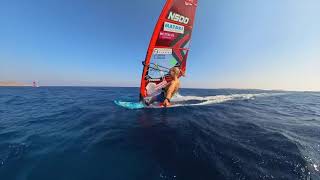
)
(200, 88)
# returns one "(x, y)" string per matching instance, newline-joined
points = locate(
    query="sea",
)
(79, 133)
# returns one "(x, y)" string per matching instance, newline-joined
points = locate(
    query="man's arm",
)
(171, 89)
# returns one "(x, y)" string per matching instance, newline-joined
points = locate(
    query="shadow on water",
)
(188, 148)
(171, 149)
(160, 146)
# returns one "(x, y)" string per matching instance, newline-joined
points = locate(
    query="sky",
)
(254, 44)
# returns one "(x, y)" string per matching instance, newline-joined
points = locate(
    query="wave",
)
(180, 100)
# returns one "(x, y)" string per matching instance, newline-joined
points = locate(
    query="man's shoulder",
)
(175, 81)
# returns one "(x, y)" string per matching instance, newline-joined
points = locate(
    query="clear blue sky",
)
(272, 44)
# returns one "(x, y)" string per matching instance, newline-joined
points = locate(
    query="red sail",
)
(169, 45)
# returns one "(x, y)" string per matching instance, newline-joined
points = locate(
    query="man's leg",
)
(158, 98)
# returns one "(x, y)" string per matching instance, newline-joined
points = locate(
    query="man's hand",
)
(166, 103)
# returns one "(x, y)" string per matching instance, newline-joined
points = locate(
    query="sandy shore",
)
(10, 84)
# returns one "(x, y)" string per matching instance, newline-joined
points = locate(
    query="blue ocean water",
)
(66, 133)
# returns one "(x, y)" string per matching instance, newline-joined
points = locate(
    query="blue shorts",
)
(161, 97)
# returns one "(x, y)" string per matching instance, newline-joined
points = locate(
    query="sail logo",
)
(170, 27)
(159, 56)
(154, 80)
(167, 36)
(178, 18)
(162, 51)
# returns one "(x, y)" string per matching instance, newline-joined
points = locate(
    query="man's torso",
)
(176, 86)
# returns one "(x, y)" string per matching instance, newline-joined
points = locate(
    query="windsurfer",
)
(169, 91)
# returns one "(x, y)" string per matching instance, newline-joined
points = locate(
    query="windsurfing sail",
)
(169, 45)
(34, 84)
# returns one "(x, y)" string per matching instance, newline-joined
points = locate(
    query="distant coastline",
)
(13, 84)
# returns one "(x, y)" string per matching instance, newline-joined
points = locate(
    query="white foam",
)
(212, 99)
(179, 100)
